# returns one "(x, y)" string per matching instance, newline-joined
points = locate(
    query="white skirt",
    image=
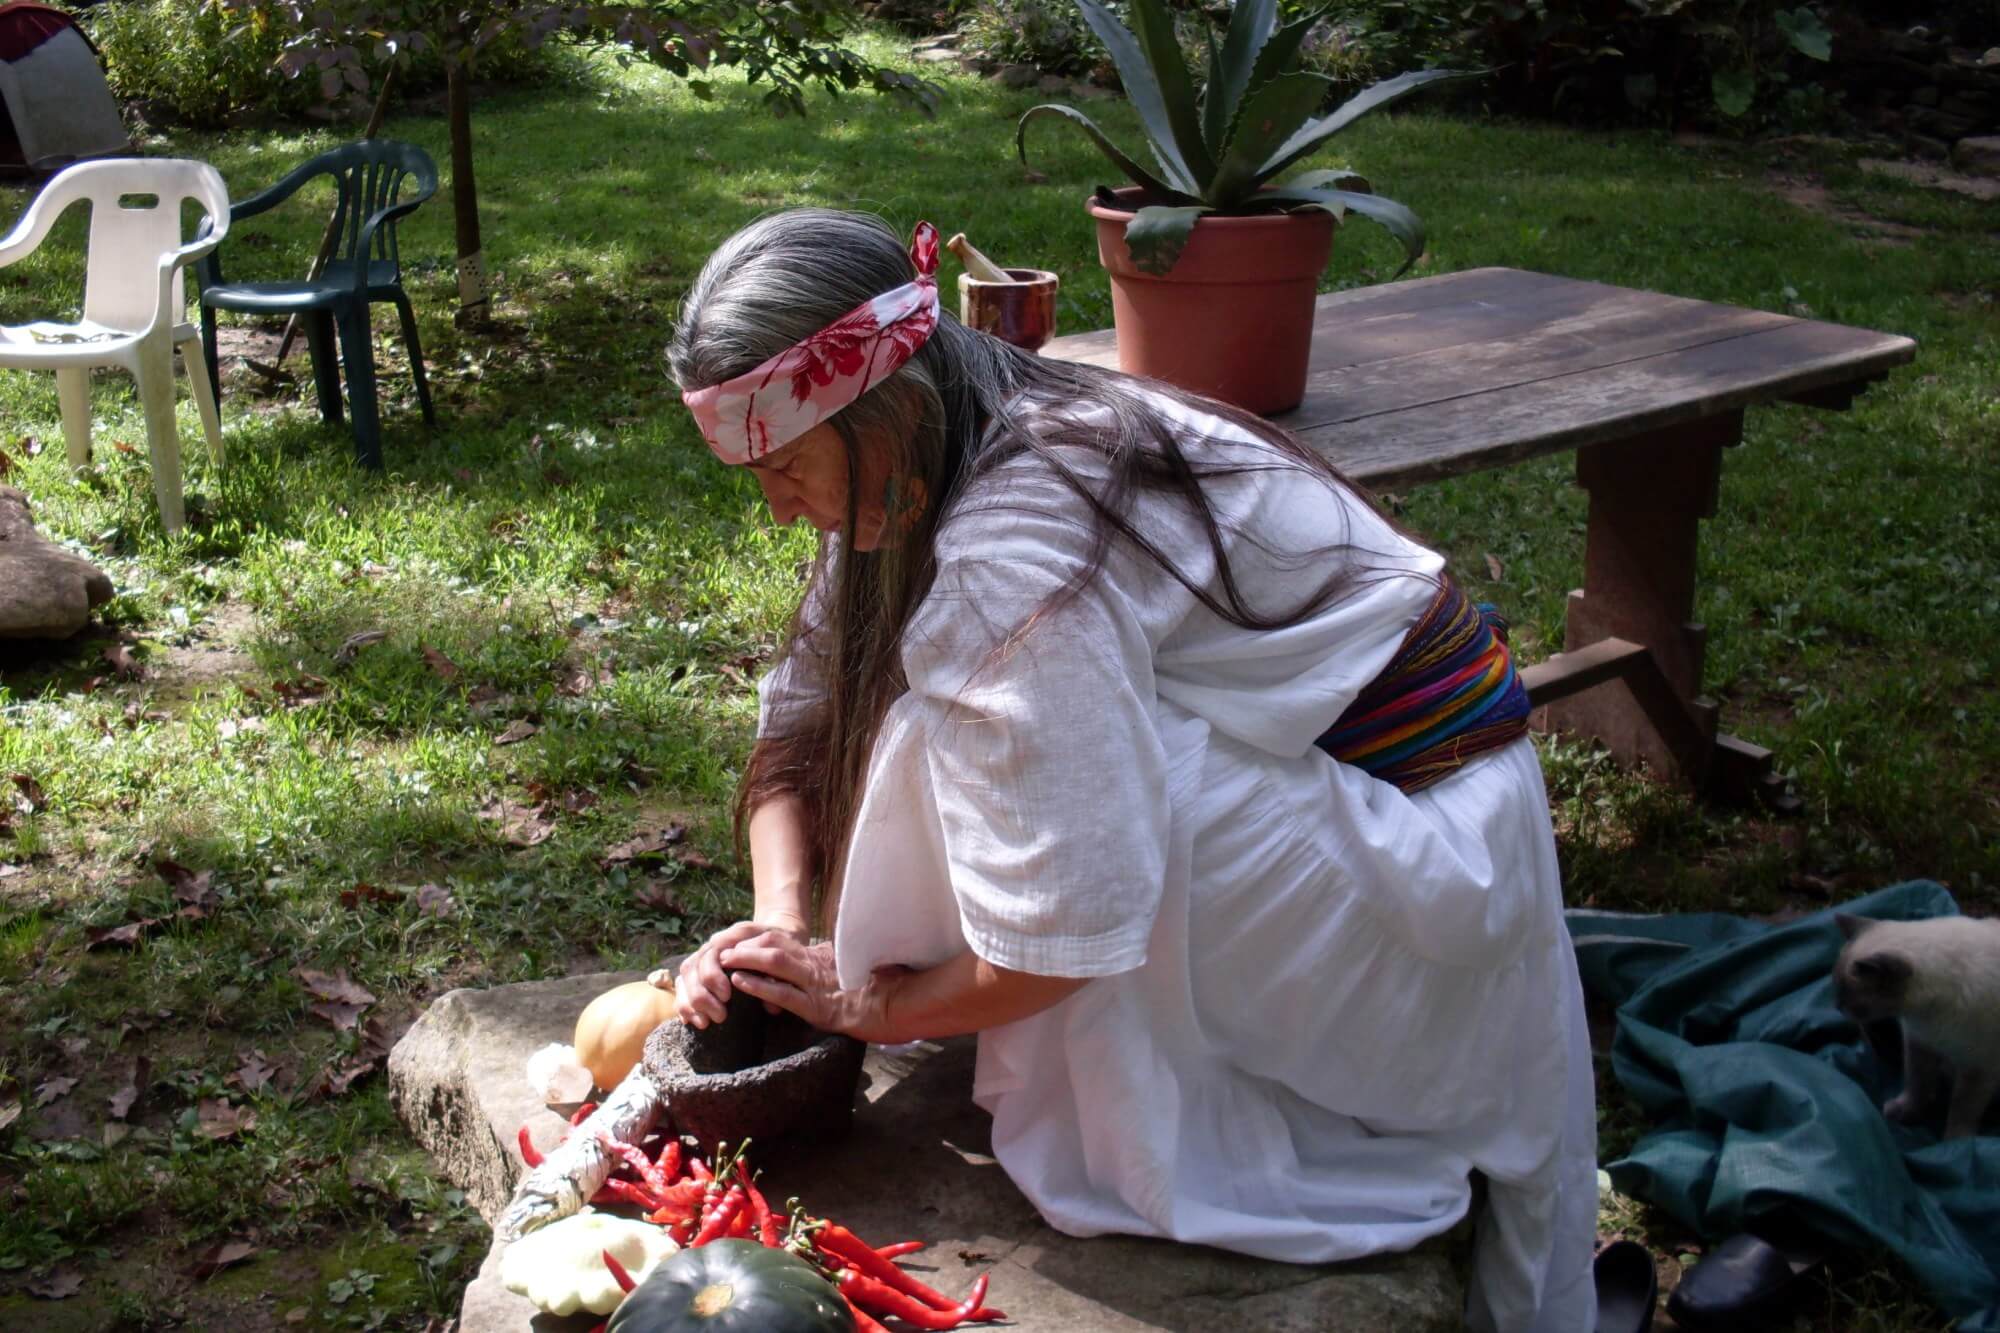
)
(1352, 1000)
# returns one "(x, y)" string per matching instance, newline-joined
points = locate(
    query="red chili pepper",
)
(529, 1152)
(618, 1273)
(844, 1245)
(624, 1191)
(716, 1224)
(699, 1170)
(641, 1165)
(900, 1248)
(582, 1114)
(768, 1231)
(669, 1163)
(863, 1321)
(885, 1299)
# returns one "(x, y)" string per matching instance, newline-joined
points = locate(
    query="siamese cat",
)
(1941, 978)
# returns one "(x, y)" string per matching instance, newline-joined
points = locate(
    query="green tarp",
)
(1767, 1099)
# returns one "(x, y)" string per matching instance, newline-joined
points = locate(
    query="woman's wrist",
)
(788, 920)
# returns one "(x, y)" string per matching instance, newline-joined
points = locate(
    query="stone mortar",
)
(800, 1085)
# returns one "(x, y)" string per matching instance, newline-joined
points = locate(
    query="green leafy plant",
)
(1219, 147)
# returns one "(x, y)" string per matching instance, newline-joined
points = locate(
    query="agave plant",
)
(1219, 148)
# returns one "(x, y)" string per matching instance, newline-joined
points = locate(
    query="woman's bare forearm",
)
(781, 864)
(964, 994)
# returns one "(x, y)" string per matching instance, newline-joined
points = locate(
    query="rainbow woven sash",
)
(1449, 695)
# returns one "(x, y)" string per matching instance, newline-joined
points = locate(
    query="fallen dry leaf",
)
(435, 900)
(645, 846)
(123, 664)
(134, 715)
(30, 445)
(127, 1094)
(336, 986)
(520, 825)
(734, 676)
(655, 895)
(443, 666)
(50, 1089)
(517, 731)
(342, 1016)
(58, 1284)
(218, 1257)
(254, 1073)
(581, 680)
(306, 689)
(115, 1133)
(1494, 569)
(368, 893)
(693, 859)
(192, 889)
(9, 1114)
(334, 1080)
(28, 798)
(216, 1119)
(356, 642)
(124, 936)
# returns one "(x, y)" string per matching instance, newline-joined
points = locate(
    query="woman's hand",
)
(790, 974)
(702, 990)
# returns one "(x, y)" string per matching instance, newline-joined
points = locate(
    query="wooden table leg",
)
(1648, 495)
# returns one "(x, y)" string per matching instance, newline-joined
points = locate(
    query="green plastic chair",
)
(363, 268)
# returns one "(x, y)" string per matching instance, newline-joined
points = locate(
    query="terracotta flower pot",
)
(1233, 318)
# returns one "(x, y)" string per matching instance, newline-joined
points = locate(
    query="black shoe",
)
(1743, 1285)
(1628, 1287)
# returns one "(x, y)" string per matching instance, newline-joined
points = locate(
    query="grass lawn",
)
(566, 545)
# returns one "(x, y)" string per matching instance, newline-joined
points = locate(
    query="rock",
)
(917, 1164)
(458, 1077)
(45, 591)
(1053, 83)
(1018, 76)
(1979, 157)
(800, 1083)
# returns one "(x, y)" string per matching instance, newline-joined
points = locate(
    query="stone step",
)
(917, 1166)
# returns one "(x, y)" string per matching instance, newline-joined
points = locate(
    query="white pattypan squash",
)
(561, 1267)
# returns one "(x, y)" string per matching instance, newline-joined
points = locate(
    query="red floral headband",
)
(745, 418)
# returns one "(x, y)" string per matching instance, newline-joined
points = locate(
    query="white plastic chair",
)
(134, 302)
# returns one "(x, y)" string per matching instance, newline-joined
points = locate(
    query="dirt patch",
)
(1934, 177)
(247, 357)
(1812, 196)
(212, 652)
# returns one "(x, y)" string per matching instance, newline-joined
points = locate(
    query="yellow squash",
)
(613, 1028)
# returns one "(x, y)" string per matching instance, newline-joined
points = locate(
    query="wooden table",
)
(1417, 381)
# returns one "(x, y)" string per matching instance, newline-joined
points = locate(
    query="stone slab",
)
(916, 1165)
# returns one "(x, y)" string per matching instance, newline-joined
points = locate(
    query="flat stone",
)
(1932, 176)
(1977, 156)
(45, 591)
(917, 1164)
(458, 1078)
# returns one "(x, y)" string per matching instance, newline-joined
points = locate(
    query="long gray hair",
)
(964, 404)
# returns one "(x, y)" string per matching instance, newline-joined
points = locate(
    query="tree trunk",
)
(465, 196)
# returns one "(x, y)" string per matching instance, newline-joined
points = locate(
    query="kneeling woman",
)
(1116, 727)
